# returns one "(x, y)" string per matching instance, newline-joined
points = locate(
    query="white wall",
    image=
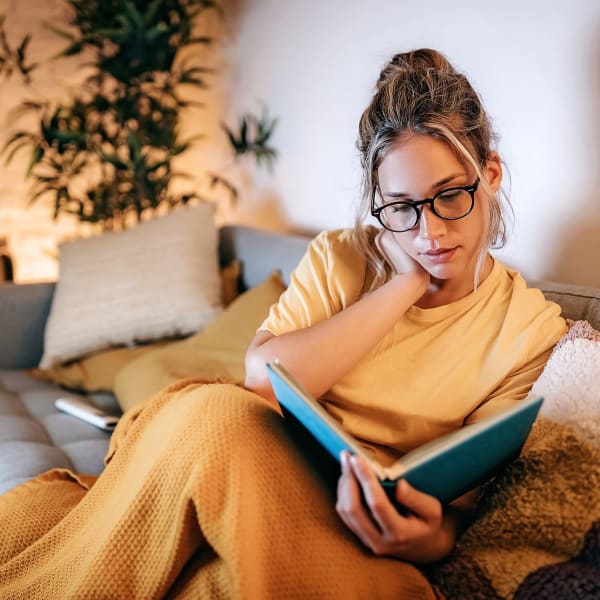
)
(536, 64)
(314, 62)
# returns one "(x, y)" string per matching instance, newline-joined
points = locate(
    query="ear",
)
(493, 171)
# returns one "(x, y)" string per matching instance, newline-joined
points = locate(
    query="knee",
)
(211, 413)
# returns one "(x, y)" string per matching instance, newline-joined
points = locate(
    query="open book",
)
(446, 467)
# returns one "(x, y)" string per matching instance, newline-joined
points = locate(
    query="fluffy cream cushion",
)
(157, 280)
(570, 382)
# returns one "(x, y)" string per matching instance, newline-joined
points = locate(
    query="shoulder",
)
(523, 293)
(339, 243)
(335, 257)
(528, 306)
(337, 249)
(344, 245)
(328, 279)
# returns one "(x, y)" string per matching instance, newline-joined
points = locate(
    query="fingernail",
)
(344, 459)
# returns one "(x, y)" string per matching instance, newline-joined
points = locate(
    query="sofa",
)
(36, 437)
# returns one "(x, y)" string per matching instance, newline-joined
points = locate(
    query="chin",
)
(439, 271)
(443, 272)
(456, 268)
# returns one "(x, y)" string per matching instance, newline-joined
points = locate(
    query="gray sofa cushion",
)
(35, 437)
(577, 302)
(24, 309)
(261, 252)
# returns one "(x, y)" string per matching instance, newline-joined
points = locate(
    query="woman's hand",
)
(420, 537)
(397, 258)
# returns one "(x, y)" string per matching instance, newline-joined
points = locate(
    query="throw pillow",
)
(93, 373)
(570, 380)
(215, 354)
(159, 279)
(230, 282)
(96, 372)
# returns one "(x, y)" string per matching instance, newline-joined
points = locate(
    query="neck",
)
(446, 291)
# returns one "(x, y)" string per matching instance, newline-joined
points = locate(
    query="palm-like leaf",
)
(14, 59)
(253, 136)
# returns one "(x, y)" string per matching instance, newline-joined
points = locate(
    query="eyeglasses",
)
(450, 204)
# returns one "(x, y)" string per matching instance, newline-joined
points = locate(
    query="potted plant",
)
(107, 156)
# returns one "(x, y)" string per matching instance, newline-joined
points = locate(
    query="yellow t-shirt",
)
(438, 368)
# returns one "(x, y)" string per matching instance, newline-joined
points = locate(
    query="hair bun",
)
(414, 60)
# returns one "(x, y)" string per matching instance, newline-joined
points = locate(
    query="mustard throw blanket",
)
(204, 496)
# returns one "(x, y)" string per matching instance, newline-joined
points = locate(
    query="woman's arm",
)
(320, 355)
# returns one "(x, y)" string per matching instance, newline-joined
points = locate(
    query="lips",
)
(440, 255)
(438, 251)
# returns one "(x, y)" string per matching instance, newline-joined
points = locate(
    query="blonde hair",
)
(420, 93)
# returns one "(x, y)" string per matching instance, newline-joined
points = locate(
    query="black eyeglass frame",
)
(471, 189)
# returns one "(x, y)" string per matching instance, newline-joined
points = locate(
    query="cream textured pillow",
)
(159, 279)
(570, 380)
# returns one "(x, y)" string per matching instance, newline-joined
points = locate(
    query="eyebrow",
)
(440, 183)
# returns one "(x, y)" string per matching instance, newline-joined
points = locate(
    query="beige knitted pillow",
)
(159, 279)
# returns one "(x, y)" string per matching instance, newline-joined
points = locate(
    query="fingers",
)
(367, 511)
(425, 506)
(375, 522)
(351, 510)
(393, 253)
(382, 510)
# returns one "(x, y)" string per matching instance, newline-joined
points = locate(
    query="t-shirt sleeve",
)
(535, 344)
(323, 284)
(514, 388)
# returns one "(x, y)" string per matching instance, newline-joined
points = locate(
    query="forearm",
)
(320, 355)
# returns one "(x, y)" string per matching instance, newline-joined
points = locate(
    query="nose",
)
(430, 225)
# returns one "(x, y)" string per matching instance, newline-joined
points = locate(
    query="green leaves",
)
(253, 136)
(107, 153)
(36, 157)
(134, 37)
(18, 140)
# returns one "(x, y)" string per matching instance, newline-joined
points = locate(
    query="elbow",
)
(256, 378)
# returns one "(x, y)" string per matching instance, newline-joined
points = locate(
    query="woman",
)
(406, 331)
(447, 338)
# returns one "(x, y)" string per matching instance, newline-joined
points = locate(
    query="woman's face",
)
(418, 168)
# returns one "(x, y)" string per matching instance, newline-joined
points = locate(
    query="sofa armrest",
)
(24, 309)
(577, 302)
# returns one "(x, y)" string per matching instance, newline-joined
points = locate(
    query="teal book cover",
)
(446, 467)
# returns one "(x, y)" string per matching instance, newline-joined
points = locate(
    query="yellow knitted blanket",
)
(204, 495)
